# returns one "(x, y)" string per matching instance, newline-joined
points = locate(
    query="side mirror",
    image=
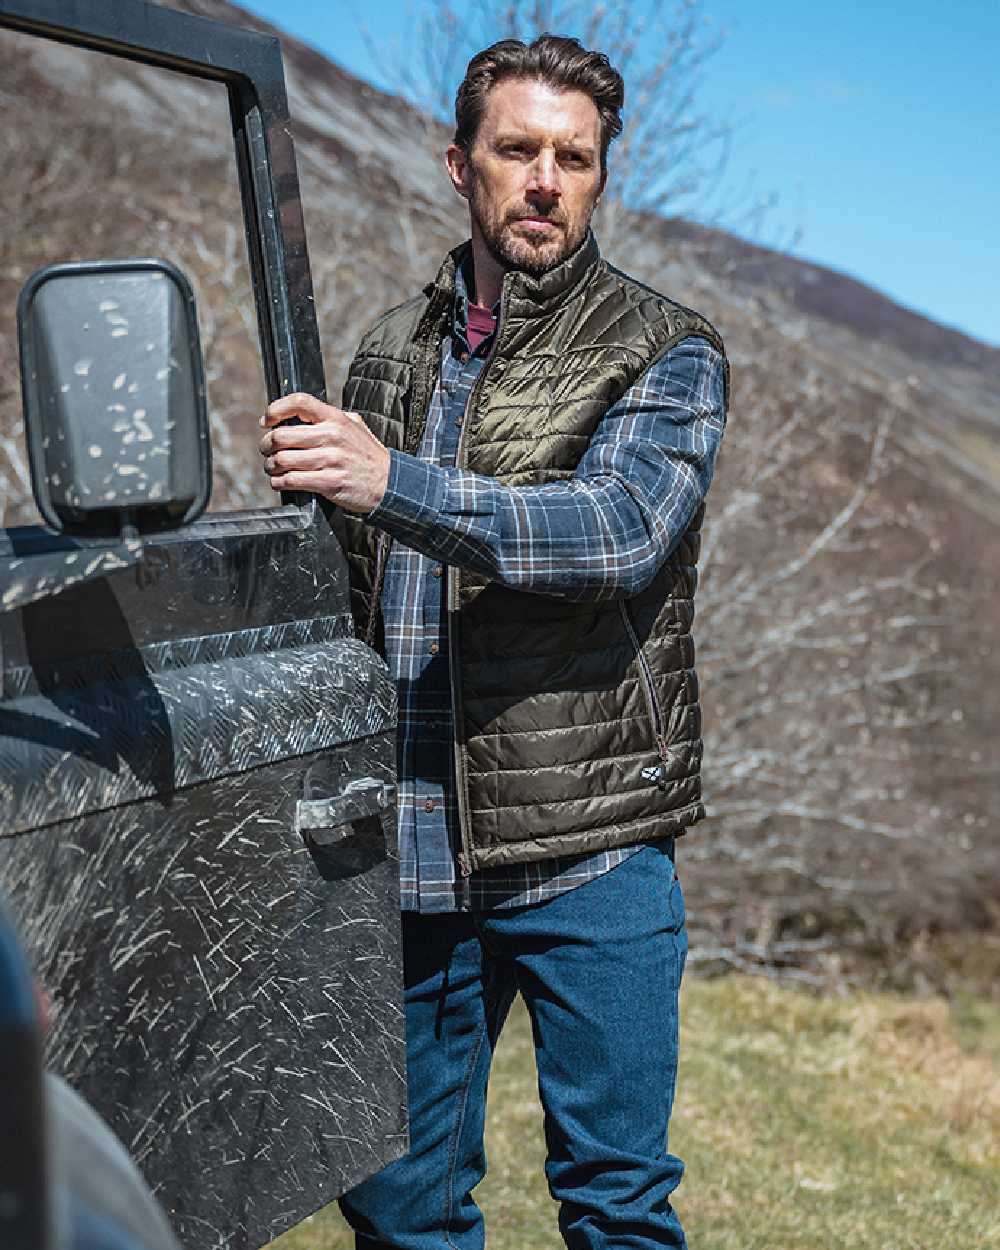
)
(115, 408)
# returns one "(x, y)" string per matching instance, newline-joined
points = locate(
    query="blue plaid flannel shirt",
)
(602, 534)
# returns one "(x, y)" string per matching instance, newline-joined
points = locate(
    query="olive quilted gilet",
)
(577, 725)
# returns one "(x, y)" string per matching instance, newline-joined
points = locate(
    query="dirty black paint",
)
(26, 581)
(231, 1008)
(175, 740)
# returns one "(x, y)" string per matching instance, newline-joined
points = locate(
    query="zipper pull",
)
(465, 869)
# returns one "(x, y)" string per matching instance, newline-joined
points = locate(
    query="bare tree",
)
(672, 157)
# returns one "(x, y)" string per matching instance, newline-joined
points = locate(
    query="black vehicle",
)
(197, 832)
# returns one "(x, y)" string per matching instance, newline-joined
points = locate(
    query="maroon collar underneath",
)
(480, 325)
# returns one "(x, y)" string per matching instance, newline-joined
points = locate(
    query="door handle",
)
(328, 821)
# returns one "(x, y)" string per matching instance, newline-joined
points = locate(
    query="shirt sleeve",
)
(604, 532)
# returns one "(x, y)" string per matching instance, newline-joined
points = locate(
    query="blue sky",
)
(877, 125)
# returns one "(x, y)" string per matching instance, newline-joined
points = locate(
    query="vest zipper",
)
(381, 560)
(461, 756)
(652, 698)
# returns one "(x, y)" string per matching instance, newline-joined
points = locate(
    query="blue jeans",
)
(599, 968)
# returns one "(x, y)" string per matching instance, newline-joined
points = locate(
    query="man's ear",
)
(603, 183)
(457, 161)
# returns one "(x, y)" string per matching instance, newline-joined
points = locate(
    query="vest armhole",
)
(710, 335)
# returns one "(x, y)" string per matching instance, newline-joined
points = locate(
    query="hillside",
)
(849, 594)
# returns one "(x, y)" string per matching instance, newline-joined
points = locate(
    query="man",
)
(523, 454)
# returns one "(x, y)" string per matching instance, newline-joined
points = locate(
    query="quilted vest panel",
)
(578, 724)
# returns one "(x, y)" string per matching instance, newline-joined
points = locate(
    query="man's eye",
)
(576, 159)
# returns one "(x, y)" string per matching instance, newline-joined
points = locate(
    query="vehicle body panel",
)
(176, 716)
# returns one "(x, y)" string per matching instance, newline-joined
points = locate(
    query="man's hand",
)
(333, 454)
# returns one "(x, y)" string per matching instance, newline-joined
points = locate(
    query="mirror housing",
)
(115, 408)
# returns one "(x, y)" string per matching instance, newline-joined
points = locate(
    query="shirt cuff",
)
(414, 494)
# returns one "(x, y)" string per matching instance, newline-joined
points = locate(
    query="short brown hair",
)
(557, 60)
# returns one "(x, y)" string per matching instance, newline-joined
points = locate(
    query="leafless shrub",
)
(838, 708)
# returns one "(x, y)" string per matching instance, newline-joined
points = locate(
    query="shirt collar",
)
(460, 320)
(527, 296)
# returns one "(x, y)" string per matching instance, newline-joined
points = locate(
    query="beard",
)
(514, 251)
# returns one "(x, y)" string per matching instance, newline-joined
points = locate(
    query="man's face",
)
(533, 175)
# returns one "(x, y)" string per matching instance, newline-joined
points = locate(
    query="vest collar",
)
(526, 296)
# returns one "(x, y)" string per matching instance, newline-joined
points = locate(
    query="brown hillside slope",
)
(849, 595)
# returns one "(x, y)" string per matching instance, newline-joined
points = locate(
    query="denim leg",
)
(600, 969)
(456, 1001)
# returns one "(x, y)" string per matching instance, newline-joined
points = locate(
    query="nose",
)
(544, 180)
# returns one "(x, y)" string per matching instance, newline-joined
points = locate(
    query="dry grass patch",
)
(858, 1121)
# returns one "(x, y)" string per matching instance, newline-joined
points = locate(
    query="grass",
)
(870, 1121)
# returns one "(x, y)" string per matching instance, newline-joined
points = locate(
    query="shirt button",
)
(433, 648)
(438, 571)
(428, 805)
